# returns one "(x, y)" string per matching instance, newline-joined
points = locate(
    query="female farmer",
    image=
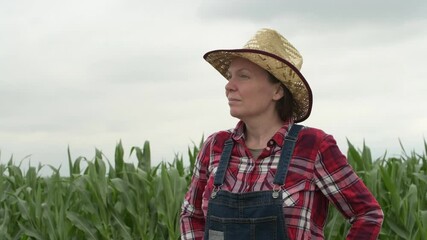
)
(270, 178)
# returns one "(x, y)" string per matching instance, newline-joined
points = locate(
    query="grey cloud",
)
(329, 11)
(146, 66)
(85, 73)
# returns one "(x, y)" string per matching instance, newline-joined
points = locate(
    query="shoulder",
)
(215, 141)
(218, 137)
(310, 134)
(311, 140)
(319, 141)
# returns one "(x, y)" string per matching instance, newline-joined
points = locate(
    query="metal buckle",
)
(276, 191)
(215, 191)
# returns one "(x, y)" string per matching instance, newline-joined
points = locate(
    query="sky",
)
(85, 75)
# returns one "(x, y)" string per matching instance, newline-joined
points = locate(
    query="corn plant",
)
(103, 199)
(399, 185)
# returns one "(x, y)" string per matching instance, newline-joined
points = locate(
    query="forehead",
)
(242, 63)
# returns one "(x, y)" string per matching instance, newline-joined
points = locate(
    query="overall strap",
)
(223, 163)
(286, 155)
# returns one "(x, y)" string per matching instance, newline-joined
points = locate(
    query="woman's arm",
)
(192, 217)
(340, 184)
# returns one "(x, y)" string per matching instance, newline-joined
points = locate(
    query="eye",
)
(243, 76)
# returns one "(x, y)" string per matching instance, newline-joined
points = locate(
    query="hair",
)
(286, 105)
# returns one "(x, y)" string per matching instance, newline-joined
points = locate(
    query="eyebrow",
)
(239, 70)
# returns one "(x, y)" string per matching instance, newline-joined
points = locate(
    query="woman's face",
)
(249, 92)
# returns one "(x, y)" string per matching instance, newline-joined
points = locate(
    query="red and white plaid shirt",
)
(318, 174)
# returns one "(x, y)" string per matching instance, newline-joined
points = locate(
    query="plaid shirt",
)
(318, 174)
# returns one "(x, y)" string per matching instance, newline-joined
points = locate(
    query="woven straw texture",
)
(277, 55)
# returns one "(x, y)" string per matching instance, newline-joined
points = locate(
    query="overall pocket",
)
(242, 228)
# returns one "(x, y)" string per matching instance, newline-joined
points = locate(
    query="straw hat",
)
(275, 54)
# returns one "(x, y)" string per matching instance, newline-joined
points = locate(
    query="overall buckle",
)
(215, 191)
(276, 190)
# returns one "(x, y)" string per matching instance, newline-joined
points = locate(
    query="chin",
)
(236, 115)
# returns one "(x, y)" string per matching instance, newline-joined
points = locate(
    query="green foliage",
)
(140, 201)
(399, 185)
(120, 201)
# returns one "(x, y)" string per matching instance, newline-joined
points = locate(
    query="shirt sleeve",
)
(192, 220)
(340, 184)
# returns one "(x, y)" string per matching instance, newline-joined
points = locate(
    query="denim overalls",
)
(250, 215)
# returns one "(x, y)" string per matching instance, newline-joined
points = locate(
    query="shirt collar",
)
(238, 133)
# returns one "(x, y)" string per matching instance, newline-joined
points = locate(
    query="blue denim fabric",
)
(250, 215)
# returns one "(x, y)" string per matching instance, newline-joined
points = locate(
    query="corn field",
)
(120, 200)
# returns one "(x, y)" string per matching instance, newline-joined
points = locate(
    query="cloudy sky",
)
(87, 74)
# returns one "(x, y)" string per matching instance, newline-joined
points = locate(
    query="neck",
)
(258, 133)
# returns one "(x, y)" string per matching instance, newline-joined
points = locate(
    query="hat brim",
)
(282, 69)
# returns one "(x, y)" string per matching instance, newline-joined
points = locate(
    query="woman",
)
(270, 178)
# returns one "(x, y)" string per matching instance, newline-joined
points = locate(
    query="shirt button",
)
(268, 148)
(271, 142)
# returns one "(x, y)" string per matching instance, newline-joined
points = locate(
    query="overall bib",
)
(250, 215)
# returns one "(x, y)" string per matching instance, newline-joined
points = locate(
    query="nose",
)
(230, 86)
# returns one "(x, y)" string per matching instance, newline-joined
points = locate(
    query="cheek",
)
(264, 93)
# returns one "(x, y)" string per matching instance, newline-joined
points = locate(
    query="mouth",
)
(231, 100)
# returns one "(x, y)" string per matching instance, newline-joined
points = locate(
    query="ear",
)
(278, 92)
